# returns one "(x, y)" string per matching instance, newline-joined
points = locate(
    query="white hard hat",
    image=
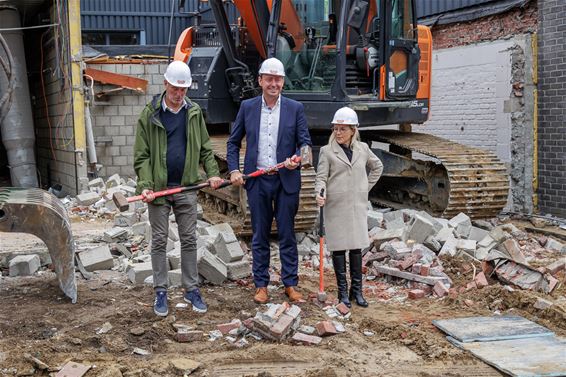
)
(272, 66)
(178, 74)
(345, 115)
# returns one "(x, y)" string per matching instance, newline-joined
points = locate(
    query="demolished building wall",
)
(482, 92)
(115, 114)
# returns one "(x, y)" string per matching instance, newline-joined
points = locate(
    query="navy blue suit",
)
(273, 195)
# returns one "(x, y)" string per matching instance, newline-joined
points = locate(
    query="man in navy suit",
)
(275, 128)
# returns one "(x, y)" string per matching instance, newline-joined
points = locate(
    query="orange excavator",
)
(369, 55)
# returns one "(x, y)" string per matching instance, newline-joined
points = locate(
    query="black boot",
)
(339, 262)
(356, 276)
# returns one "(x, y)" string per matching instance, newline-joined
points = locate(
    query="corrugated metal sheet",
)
(151, 16)
(427, 8)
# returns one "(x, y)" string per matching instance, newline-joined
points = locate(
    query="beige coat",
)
(346, 190)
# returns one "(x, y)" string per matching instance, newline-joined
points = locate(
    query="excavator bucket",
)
(34, 211)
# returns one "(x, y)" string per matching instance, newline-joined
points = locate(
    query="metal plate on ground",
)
(483, 329)
(541, 356)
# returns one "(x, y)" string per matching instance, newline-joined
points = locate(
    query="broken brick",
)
(471, 285)
(342, 308)
(185, 336)
(281, 328)
(487, 268)
(225, 328)
(542, 303)
(480, 280)
(325, 328)
(415, 294)
(440, 289)
(306, 339)
(425, 270)
(282, 309)
(557, 266)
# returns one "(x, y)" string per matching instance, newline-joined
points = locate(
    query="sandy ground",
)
(36, 318)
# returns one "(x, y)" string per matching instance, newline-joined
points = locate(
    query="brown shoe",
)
(293, 294)
(261, 296)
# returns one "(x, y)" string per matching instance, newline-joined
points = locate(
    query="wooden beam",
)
(124, 81)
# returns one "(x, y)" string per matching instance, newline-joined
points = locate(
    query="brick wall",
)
(501, 26)
(552, 107)
(115, 115)
(52, 107)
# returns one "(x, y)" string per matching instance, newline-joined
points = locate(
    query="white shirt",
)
(268, 131)
(167, 108)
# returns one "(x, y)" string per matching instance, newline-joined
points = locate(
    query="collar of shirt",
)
(264, 104)
(167, 108)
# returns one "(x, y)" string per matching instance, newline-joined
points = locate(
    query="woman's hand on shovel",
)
(320, 200)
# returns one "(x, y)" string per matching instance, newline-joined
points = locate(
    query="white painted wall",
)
(470, 85)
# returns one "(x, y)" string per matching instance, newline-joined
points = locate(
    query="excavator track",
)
(475, 182)
(232, 201)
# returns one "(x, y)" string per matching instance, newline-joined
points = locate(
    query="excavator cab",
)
(361, 53)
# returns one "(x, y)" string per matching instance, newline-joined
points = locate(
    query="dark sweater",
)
(348, 151)
(176, 127)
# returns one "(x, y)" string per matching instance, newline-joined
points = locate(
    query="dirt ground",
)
(36, 319)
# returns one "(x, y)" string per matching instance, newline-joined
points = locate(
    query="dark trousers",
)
(267, 199)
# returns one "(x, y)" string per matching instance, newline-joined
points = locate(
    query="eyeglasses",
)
(341, 129)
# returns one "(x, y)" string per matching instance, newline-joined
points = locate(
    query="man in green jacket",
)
(171, 142)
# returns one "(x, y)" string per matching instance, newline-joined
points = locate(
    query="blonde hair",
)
(353, 141)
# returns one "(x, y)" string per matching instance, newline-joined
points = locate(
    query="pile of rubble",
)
(126, 246)
(407, 244)
(280, 322)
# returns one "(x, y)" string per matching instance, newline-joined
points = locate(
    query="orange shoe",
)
(261, 296)
(293, 294)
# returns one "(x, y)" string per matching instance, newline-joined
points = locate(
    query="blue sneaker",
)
(160, 304)
(195, 298)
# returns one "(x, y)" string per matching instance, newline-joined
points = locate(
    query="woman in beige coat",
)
(342, 174)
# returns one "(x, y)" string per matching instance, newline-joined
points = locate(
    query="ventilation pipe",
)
(17, 124)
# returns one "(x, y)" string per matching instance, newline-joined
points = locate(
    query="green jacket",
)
(150, 149)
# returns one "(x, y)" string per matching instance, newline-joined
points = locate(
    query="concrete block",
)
(96, 184)
(396, 249)
(239, 270)
(556, 266)
(469, 246)
(419, 229)
(212, 268)
(137, 272)
(113, 181)
(115, 235)
(462, 225)
(482, 224)
(175, 277)
(498, 234)
(200, 212)
(374, 219)
(477, 234)
(437, 224)
(383, 235)
(227, 247)
(129, 191)
(552, 244)
(24, 265)
(432, 243)
(125, 219)
(140, 228)
(98, 258)
(542, 304)
(444, 234)
(205, 241)
(170, 245)
(449, 247)
(393, 217)
(174, 257)
(218, 228)
(88, 198)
